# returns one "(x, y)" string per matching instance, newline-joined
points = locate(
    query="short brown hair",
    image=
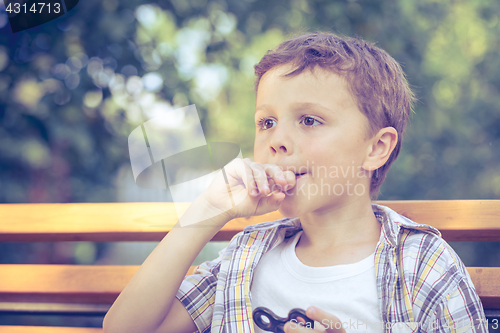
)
(373, 76)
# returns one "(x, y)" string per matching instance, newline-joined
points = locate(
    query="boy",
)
(330, 116)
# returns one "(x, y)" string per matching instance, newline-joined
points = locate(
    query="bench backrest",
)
(458, 220)
(92, 288)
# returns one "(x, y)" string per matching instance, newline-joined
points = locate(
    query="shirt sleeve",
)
(197, 292)
(461, 311)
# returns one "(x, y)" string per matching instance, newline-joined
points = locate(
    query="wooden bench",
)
(91, 289)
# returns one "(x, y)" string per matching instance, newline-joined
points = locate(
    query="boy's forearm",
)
(146, 300)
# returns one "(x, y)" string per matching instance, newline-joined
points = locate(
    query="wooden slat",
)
(102, 284)
(48, 329)
(54, 308)
(487, 283)
(99, 222)
(458, 220)
(64, 283)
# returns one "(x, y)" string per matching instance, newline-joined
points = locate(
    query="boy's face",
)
(311, 123)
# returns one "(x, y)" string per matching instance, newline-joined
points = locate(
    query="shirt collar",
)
(289, 225)
(391, 222)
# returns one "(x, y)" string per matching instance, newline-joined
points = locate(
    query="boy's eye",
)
(309, 121)
(264, 123)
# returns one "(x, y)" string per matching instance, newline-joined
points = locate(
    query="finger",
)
(260, 177)
(270, 203)
(290, 180)
(277, 175)
(247, 177)
(274, 185)
(255, 185)
(296, 326)
(329, 321)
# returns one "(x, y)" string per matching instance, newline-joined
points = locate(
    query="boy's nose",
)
(281, 141)
(281, 148)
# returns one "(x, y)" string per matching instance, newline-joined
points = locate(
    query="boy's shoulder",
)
(394, 224)
(420, 246)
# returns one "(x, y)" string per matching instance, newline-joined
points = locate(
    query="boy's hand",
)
(243, 177)
(327, 323)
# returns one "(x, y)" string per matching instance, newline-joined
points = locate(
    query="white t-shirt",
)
(282, 282)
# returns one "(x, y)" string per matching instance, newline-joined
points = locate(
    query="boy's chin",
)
(289, 210)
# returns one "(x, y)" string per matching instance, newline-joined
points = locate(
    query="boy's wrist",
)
(201, 210)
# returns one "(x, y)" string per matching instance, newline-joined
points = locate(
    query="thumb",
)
(270, 203)
(329, 321)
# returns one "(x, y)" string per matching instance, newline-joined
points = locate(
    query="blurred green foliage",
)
(72, 90)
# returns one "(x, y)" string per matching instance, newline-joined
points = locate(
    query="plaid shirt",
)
(421, 281)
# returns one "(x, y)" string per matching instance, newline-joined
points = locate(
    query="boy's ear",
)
(381, 146)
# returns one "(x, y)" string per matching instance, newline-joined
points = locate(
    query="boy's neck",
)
(351, 229)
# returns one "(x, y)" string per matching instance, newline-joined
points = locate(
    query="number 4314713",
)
(36, 8)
